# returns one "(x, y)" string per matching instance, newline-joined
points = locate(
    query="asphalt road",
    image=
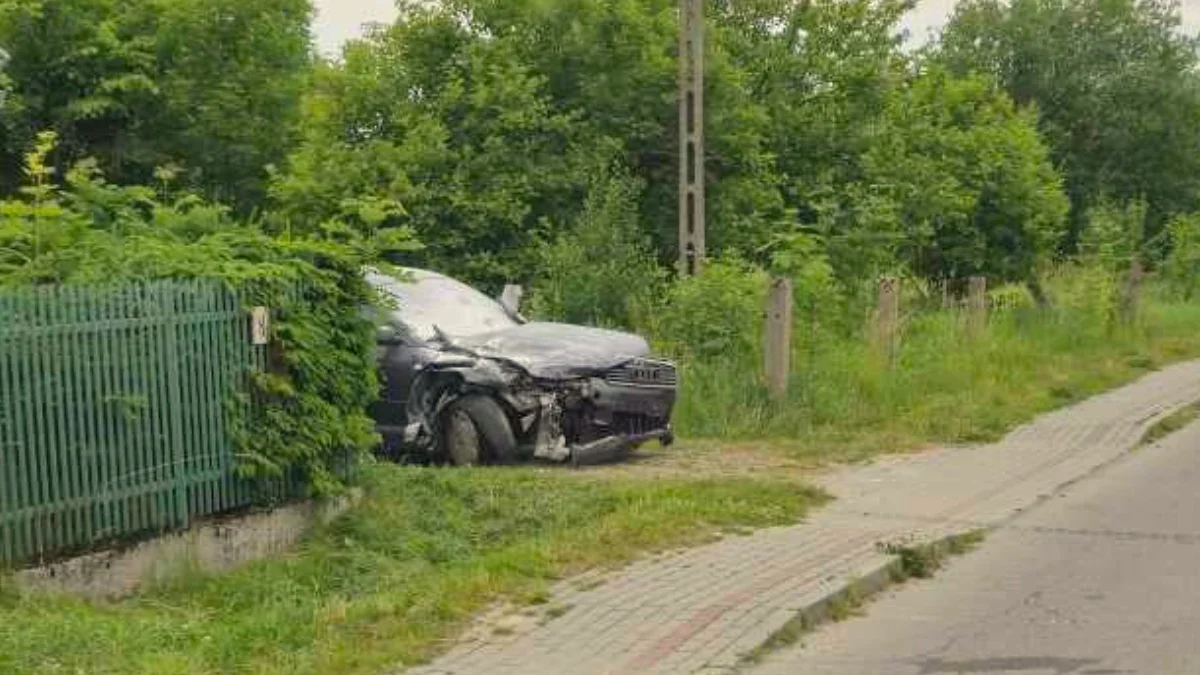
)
(1100, 579)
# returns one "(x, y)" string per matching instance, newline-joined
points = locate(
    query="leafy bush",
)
(1011, 297)
(1181, 269)
(1111, 241)
(975, 187)
(1113, 235)
(718, 313)
(310, 412)
(602, 271)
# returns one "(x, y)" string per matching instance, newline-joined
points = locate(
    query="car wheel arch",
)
(437, 392)
(492, 422)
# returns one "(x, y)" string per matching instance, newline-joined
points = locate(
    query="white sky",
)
(338, 20)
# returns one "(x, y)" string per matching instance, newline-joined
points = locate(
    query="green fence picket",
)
(113, 412)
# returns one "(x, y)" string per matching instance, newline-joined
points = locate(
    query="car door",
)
(400, 356)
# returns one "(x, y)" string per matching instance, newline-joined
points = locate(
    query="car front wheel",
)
(475, 431)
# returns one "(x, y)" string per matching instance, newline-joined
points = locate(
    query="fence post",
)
(1131, 296)
(887, 317)
(171, 328)
(977, 309)
(778, 338)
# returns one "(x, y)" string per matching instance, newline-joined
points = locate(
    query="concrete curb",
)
(211, 546)
(886, 573)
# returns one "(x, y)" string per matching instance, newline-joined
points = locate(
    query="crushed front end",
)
(600, 417)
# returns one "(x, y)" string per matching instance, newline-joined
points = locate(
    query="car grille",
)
(644, 373)
(637, 425)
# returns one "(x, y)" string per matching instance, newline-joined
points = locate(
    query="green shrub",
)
(1181, 269)
(718, 313)
(310, 413)
(602, 271)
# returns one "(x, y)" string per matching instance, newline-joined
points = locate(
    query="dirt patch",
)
(507, 621)
(707, 459)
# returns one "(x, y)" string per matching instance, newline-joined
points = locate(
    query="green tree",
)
(78, 68)
(485, 119)
(212, 86)
(1115, 84)
(453, 127)
(975, 190)
(232, 74)
(612, 65)
(311, 407)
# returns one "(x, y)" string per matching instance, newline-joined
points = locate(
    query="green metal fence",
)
(114, 406)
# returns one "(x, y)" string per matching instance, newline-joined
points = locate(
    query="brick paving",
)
(701, 610)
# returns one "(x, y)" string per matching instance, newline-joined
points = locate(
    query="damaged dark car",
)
(467, 380)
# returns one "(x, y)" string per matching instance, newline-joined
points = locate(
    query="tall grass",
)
(941, 383)
(387, 583)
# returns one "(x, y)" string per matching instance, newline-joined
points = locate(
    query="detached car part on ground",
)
(468, 381)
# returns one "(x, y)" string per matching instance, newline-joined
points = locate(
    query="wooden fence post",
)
(1132, 293)
(778, 338)
(977, 308)
(887, 317)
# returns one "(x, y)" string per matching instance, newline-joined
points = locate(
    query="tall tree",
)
(231, 75)
(77, 68)
(210, 85)
(1115, 83)
(973, 187)
(430, 125)
(503, 112)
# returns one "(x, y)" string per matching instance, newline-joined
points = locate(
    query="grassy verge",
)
(847, 402)
(385, 584)
(1172, 423)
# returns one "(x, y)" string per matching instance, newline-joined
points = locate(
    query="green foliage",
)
(922, 561)
(485, 119)
(392, 580)
(716, 313)
(1181, 269)
(944, 384)
(453, 126)
(601, 271)
(1011, 297)
(212, 85)
(1113, 237)
(974, 188)
(231, 77)
(310, 409)
(1115, 85)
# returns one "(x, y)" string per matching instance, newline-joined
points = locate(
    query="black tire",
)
(493, 440)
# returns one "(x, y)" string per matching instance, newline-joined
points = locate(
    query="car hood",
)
(555, 350)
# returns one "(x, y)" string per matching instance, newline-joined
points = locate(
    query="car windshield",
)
(427, 300)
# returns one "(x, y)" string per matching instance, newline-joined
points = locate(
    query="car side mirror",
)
(510, 299)
(388, 334)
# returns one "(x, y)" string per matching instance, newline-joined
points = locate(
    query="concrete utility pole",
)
(691, 136)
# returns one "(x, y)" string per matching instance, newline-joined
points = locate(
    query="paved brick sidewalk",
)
(699, 611)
